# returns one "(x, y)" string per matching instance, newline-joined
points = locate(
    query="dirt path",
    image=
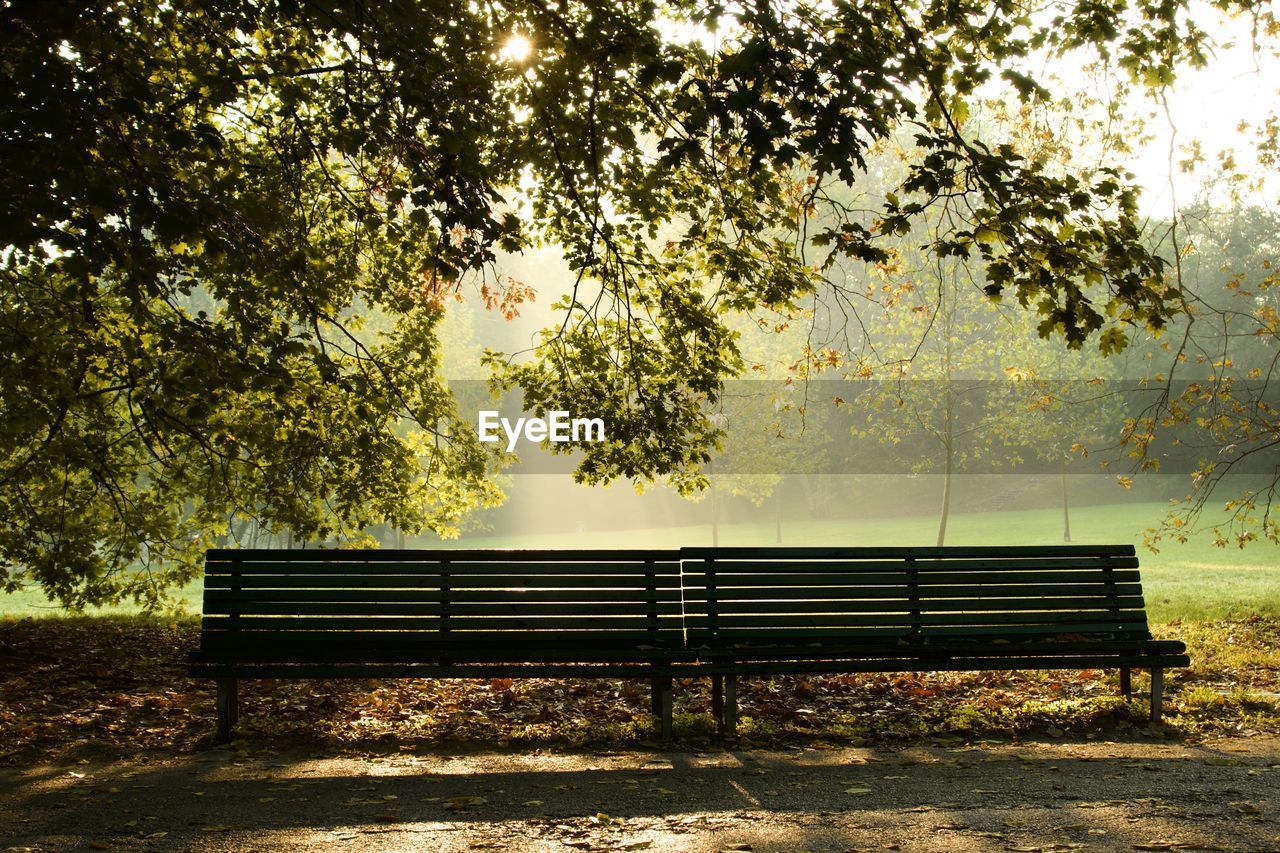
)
(1092, 796)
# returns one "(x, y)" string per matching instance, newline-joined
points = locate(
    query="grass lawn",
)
(1195, 581)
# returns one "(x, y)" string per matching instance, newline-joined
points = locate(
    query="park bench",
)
(771, 611)
(443, 614)
(718, 612)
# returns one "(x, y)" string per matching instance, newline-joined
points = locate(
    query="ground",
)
(1084, 795)
(107, 745)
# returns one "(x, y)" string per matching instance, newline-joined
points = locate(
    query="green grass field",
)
(1190, 582)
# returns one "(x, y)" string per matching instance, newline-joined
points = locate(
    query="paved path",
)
(1088, 796)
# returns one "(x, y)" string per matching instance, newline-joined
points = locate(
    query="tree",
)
(299, 164)
(1212, 400)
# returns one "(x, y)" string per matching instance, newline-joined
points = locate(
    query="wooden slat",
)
(479, 596)
(580, 669)
(334, 654)
(628, 570)
(465, 582)
(816, 638)
(929, 647)
(730, 610)
(909, 664)
(532, 612)
(893, 553)
(427, 645)
(798, 580)
(392, 555)
(938, 565)
(699, 596)
(394, 623)
(284, 647)
(805, 622)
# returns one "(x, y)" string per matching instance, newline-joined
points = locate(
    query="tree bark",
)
(946, 499)
(715, 518)
(1066, 510)
(948, 427)
(777, 514)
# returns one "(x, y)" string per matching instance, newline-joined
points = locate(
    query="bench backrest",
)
(748, 596)
(263, 603)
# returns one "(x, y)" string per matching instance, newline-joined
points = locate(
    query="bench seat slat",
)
(770, 567)
(699, 597)
(316, 646)
(697, 581)
(390, 555)
(697, 622)
(442, 656)
(464, 582)
(957, 664)
(462, 669)
(730, 611)
(517, 596)
(437, 567)
(903, 552)
(1135, 629)
(605, 670)
(926, 646)
(517, 622)
(533, 611)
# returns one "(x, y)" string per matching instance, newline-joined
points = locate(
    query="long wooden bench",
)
(768, 611)
(487, 614)
(718, 612)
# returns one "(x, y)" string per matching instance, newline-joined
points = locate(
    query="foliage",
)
(211, 196)
(1210, 379)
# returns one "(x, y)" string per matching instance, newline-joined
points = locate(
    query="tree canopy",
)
(205, 205)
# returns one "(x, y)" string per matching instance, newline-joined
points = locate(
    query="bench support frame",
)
(1157, 693)
(729, 721)
(1157, 689)
(228, 707)
(660, 700)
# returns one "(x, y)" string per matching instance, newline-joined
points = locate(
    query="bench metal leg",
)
(228, 708)
(731, 704)
(662, 704)
(717, 701)
(1157, 694)
(1126, 683)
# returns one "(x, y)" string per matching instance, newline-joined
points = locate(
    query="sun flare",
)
(517, 48)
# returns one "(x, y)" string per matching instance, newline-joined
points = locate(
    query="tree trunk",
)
(777, 514)
(1066, 509)
(715, 518)
(946, 500)
(948, 425)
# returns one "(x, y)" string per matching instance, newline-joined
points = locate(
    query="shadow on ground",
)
(1100, 795)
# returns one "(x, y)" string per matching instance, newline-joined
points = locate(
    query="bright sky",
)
(1240, 84)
